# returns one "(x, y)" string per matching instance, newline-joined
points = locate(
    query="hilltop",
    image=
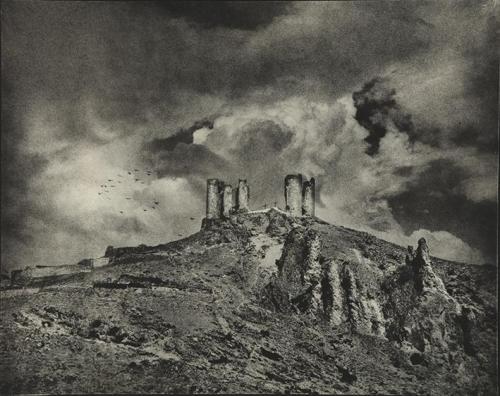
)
(256, 302)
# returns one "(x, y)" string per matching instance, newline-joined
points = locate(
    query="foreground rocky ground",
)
(258, 303)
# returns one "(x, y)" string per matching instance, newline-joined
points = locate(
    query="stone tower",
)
(308, 197)
(293, 194)
(213, 199)
(243, 195)
(227, 200)
(221, 198)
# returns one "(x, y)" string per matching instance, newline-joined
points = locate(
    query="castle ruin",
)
(220, 202)
(293, 194)
(213, 199)
(243, 195)
(227, 200)
(300, 196)
(223, 200)
(309, 197)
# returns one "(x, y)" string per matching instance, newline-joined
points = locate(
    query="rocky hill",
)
(259, 302)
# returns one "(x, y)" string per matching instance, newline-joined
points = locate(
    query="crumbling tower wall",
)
(213, 199)
(227, 200)
(243, 195)
(308, 197)
(220, 203)
(293, 194)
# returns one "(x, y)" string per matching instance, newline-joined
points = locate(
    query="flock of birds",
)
(113, 184)
(107, 186)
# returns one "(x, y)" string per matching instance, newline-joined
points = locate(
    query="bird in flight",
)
(156, 202)
(129, 173)
(137, 179)
(110, 179)
(145, 210)
(192, 218)
(128, 198)
(136, 170)
(121, 211)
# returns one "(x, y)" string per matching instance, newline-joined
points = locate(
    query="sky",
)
(391, 106)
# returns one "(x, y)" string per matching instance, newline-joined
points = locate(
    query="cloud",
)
(182, 136)
(377, 111)
(91, 90)
(447, 246)
(245, 15)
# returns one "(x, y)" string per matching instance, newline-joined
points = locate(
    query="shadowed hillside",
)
(258, 302)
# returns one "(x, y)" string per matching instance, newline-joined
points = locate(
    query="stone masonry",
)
(299, 196)
(243, 195)
(293, 194)
(308, 197)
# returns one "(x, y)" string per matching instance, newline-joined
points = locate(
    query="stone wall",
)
(227, 200)
(293, 194)
(300, 196)
(23, 277)
(243, 195)
(213, 199)
(220, 202)
(99, 262)
(308, 197)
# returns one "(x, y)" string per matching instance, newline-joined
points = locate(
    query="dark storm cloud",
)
(89, 76)
(17, 167)
(430, 202)
(481, 83)
(378, 110)
(257, 158)
(245, 15)
(183, 135)
(257, 146)
(189, 160)
(260, 140)
(376, 107)
(434, 198)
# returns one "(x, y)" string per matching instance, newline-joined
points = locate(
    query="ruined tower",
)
(243, 195)
(213, 199)
(220, 200)
(293, 194)
(227, 200)
(308, 197)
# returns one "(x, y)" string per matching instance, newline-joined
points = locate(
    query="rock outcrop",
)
(411, 307)
(307, 281)
(258, 302)
(298, 281)
(426, 281)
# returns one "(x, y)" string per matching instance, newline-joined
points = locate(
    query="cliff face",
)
(260, 302)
